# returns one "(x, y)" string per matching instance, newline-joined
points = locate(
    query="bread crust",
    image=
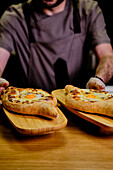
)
(103, 107)
(45, 107)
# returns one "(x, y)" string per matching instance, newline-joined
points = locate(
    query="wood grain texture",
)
(36, 125)
(78, 146)
(99, 120)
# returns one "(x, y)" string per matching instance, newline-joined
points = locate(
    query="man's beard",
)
(45, 5)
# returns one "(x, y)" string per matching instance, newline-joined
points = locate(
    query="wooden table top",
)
(78, 146)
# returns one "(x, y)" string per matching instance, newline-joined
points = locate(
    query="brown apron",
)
(55, 51)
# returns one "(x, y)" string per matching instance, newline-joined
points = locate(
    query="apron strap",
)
(76, 17)
(26, 12)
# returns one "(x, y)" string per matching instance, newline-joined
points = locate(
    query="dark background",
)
(107, 9)
(4, 5)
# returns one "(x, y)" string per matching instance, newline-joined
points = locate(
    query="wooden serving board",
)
(99, 120)
(35, 125)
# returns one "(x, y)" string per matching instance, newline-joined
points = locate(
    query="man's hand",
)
(95, 83)
(3, 83)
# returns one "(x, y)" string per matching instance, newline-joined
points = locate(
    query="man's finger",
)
(95, 83)
(3, 82)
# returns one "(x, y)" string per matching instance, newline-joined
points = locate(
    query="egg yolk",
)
(91, 96)
(30, 96)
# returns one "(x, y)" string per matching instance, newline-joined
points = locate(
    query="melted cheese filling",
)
(86, 95)
(23, 96)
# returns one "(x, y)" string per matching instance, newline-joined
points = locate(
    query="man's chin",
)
(51, 3)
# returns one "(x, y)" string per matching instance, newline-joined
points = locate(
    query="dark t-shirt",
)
(55, 54)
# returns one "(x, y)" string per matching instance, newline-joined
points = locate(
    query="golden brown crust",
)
(102, 106)
(15, 100)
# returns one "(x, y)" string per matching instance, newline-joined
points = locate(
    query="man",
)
(50, 39)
